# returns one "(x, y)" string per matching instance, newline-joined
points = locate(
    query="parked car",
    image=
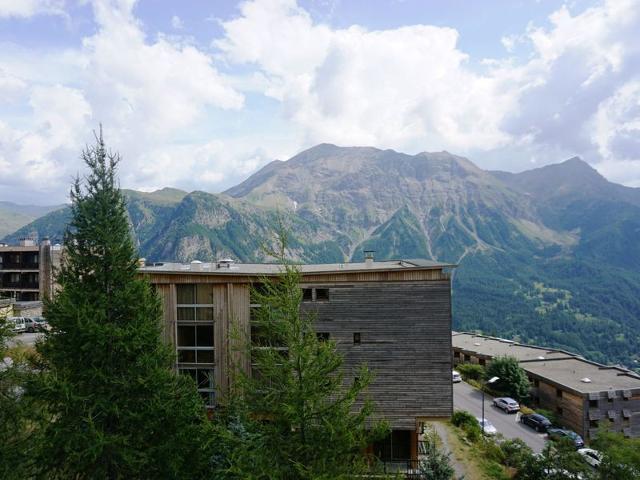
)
(536, 421)
(41, 324)
(558, 433)
(592, 457)
(509, 405)
(19, 325)
(455, 377)
(489, 429)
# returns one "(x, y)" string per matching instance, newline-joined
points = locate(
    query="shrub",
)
(513, 379)
(468, 423)
(524, 410)
(471, 371)
(515, 452)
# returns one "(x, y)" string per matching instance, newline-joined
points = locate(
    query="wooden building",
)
(395, 316)
(583, 394)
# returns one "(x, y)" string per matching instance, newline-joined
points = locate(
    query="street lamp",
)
(488, 382)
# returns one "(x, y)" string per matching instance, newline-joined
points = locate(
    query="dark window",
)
(593, 403)
(593, 423)
(356, 338)
(482, 361)
(307, 294)
(559, 411)
(610, 399)
(536, 382)
(396, 446)
(322, 336)
(456, 354)
(558, 393)
(467, 358)
(205, 382)
(322, 294)
(192, 294)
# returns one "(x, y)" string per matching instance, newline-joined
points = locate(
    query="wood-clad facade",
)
(395, 318)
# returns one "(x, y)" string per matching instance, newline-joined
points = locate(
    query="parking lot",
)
(28, 339)
(465, 397)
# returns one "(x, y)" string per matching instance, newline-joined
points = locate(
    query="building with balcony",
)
(395, 316)
(26, 270)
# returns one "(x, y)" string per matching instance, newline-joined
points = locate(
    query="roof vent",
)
(369, 257)
(225, 263)
(540, 357)
(477, 344)
(585, 380)
(196, 266)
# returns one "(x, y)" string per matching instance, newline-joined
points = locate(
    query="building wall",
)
(404, 327)
(405, 339)
(618, 410)
(569, 407)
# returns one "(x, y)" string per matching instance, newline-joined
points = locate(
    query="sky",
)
(199, 94)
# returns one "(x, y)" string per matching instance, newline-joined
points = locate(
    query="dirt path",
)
(443, 433)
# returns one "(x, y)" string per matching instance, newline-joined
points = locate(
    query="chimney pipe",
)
(369, 257)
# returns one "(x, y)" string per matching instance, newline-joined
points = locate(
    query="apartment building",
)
(585, 395)
(26, 269)
(393, 315)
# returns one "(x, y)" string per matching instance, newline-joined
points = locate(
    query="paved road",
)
(465, 397)
(24, 338)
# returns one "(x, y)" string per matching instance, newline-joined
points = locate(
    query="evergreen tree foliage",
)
(513, 379)
(117, 410)
(17, 437)
(434, 464)
(301, 415)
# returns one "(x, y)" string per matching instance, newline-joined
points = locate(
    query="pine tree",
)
(117, 408)
(296, 417)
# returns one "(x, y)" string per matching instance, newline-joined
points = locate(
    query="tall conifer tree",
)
(117, 408)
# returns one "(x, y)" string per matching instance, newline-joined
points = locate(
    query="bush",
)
(516, 453)
(513, 379)
(468, 423)
(470, 371)
(524, 410)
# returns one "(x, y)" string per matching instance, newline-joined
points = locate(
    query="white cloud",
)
(177, 23)
(29, 8)
(146, 92)
(412, 88)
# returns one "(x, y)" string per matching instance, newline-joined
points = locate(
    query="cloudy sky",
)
(198, 94)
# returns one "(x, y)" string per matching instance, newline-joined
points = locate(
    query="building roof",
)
(557, 366)
(497, 347)
(222, 268)
(572, 372)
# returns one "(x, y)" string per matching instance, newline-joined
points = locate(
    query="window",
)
(536, 382)
(323, 336)
(356, 338)
(593, 423)
(559, 411)
(322, 294)
(195, 337)
(482, 361)
(558, 393)
(205, 382)
(307, 294)
(456, 354)
(593, 403)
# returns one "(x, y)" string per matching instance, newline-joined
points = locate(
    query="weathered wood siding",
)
(572, 406)
(405, 332)
(167, 293)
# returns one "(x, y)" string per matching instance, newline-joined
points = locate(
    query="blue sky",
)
(200, 94)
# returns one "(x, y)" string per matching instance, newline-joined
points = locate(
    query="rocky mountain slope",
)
(548, 256)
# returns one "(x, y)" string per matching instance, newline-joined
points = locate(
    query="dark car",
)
(536, 421)
(558, 433)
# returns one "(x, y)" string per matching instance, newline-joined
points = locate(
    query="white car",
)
(455, 377)
(489, 429)
(509, 405)
(19, 325)
(592, 457)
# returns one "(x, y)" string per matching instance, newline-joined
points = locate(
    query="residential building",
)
(395, 316)
(584, 395)
(26, 269)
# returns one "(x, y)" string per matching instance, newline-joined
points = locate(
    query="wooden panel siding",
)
(221, 336)
(167, 295)
(405, 338)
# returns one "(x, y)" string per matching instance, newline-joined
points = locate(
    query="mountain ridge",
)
(547, 256)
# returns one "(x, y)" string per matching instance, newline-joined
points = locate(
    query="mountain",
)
(14, 216)
(547, 256)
